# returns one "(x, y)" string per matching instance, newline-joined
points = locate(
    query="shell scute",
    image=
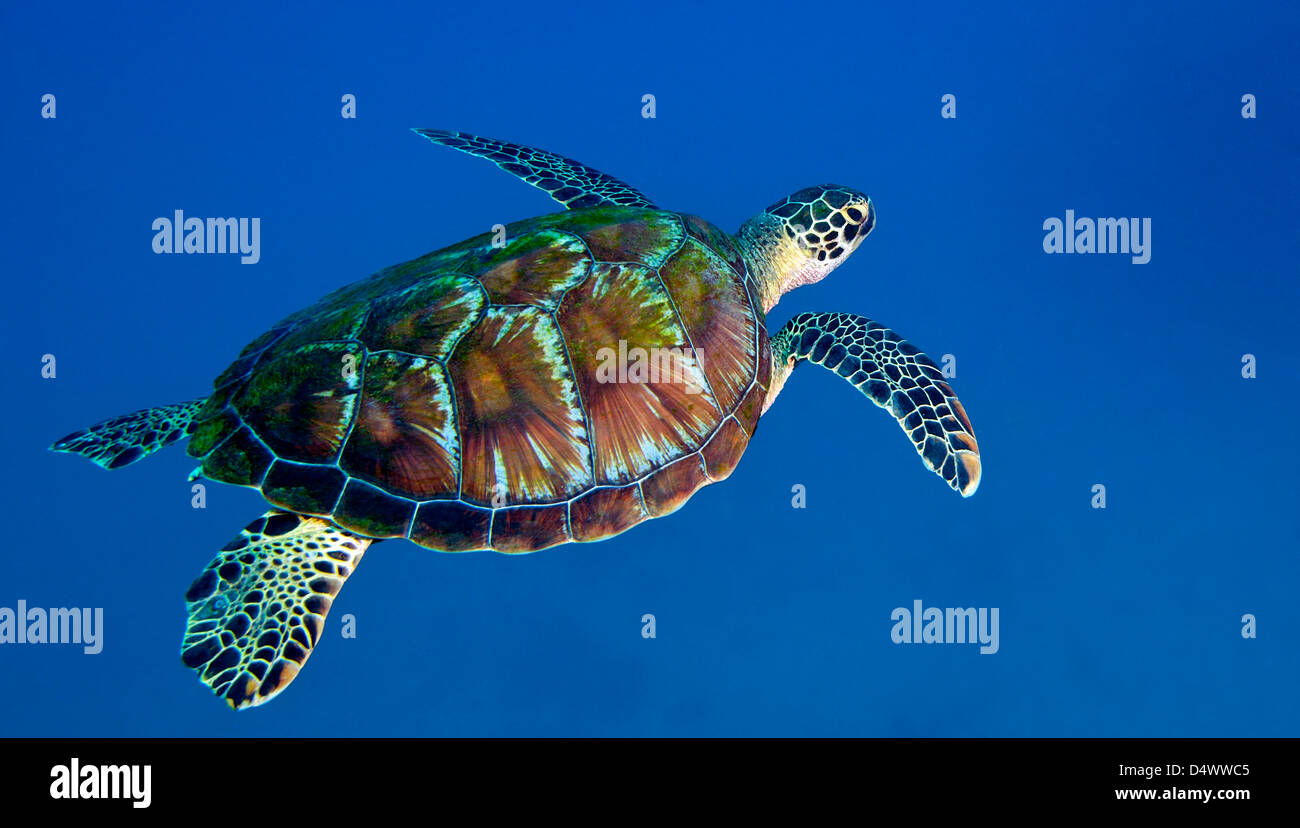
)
(530, 528)
(717, 241)
(427, 318)
(717, 316)
(373, 512)
(301, 403)
(619, 318)
(523, 434)
(404, 438)
(605, 512)
(644, 237)
(311, 489)
(668, 488)
(241, 459)
(451, 526)
(532, 269)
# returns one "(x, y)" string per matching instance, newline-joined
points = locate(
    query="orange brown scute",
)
(593, 372)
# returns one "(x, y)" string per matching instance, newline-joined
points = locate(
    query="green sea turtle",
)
(589, 371)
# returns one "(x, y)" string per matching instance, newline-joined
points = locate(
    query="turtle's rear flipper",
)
(259, 607)
(123, 440)
(896, 376)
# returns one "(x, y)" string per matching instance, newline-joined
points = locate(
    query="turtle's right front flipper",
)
(896, 376)
(123, 440)
(258, 609)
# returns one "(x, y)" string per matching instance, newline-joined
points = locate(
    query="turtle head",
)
(824, 223)
(803, 237)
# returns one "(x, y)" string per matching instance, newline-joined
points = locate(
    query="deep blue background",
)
(1076, 370)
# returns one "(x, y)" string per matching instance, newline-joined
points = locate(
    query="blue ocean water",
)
(1077, 370)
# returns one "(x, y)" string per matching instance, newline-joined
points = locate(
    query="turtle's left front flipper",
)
(123, 440)
(258, 609)
(894, 375)
(572, 183)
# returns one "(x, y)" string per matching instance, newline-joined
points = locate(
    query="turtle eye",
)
(858, 219)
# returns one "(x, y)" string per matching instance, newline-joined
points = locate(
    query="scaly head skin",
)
(802, 238)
